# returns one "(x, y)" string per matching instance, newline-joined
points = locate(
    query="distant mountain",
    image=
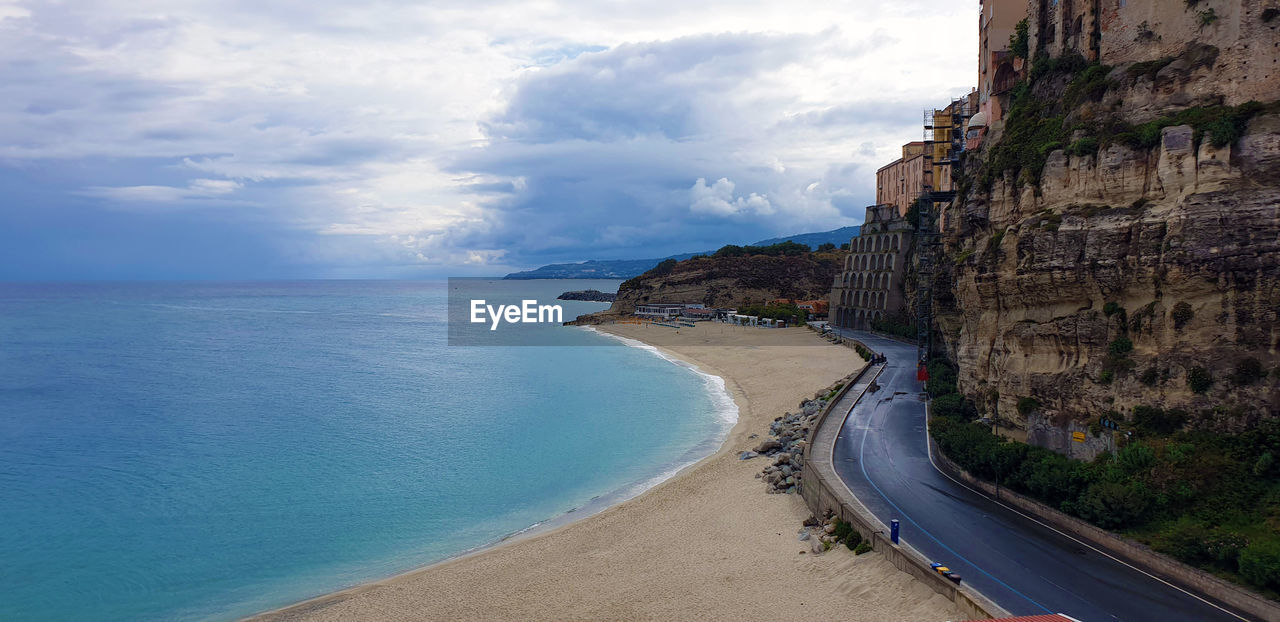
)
(627, 268)
(814, 240)
(595, 269)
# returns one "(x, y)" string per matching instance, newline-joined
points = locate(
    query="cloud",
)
(718, 200)
(399, 138)
(196, 189)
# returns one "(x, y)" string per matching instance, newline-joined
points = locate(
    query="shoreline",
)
(616, 516)
(594, 506)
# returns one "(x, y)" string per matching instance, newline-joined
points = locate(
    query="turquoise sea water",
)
(207, 451)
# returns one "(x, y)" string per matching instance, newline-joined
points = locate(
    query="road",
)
(882, 455)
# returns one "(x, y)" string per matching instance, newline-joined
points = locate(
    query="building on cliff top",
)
(899, 183)
(870, 286)
(1235, 44)
(998, 68)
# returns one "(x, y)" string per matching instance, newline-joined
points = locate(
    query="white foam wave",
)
(726, 409)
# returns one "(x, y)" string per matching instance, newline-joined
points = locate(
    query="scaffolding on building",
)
(940, 126)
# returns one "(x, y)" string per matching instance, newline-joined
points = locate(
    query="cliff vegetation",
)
(1111, 296)
(734, 277)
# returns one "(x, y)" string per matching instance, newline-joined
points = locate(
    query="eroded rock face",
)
(1182, 241)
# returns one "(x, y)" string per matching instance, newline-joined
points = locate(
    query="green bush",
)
(1111, 308)
(951, 405)
(1090, 85)
(1207, 17)
(1106, 376)
(664, 267)
(1157, 421)
(1113, 505)
(1150, 377)
(942, 378)
(1026, 405)
(1083, 147)
(1181, 314)
(781, 249)
(1206, 498)
(1186, 540)
(843, 529)
(1248, 371)
(1135, 459)
(862, 547)
(1019, 41)
(1263, 464)
(853, 540)
(1199, 380)
(1120, 346)
(1260, 563)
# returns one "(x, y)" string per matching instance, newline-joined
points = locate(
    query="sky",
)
(243, 139)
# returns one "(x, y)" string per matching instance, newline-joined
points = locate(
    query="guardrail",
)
(824, 491)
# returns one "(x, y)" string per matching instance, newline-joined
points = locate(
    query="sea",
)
(207, 451)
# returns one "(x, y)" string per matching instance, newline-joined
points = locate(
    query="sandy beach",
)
(707, 544)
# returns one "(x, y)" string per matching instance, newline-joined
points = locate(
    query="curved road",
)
(882, 455)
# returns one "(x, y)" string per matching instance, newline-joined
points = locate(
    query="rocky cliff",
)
(1140, 265)
(731, 281)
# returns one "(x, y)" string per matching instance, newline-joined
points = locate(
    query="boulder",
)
(768, 445)
(747, 455)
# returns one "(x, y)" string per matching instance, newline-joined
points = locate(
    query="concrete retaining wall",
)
(823, 491)
(1134, 553)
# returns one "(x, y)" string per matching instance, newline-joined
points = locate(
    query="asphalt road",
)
(1029, 569)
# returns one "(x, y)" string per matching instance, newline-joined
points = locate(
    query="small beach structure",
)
(698, 313)
(660, 311)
